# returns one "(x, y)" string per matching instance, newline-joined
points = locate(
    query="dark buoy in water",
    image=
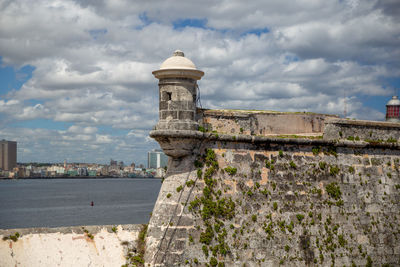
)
(92, 203)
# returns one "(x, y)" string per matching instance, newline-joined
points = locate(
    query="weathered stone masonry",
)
(297, 202)
(262, 123)
(257, 188)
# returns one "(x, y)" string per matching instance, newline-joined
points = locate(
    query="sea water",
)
(67, 202)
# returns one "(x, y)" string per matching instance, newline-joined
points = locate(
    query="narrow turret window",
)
(169, 96)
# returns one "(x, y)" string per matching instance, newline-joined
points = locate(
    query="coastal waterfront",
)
(66, 202)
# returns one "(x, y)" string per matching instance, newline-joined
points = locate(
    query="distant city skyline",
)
(76, 82)
(79, 170)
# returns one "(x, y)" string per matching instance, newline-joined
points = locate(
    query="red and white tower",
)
(393, 110)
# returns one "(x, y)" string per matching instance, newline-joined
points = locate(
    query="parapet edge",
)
(300, 140)
(231, 112)
(365, 123)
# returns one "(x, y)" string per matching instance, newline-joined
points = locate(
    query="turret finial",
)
(179, 53)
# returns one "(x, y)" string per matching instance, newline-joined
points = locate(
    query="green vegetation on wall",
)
(294, 206)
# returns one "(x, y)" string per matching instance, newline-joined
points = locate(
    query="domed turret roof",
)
(178, 66)
(178, 61)
(394, 101)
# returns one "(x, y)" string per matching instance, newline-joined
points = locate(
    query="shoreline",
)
(76, 177)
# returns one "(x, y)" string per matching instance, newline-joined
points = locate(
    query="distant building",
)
(72, 172)
(113, 162)
(82, 171)
(56, 169)
(156, 159)
(8, 155)
(393, 110)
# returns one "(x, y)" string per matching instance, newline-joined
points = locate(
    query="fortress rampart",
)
(270, 201)
(369, 131)
(261, 188)
(262, 123)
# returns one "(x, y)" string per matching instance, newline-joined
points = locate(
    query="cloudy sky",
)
(76, 82)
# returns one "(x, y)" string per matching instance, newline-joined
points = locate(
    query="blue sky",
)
(76, 82)
(12, 78)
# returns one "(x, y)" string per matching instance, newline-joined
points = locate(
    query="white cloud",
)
(78, 129)
(93, 62)
(103, 139)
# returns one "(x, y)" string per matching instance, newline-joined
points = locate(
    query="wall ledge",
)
(244, 112)
(303, 140)
(363, 123)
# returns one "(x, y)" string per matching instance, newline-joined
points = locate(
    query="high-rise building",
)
(156, 159)
(8, 155)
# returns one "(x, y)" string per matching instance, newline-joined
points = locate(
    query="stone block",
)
(163, 105)
(190, 105)
(177, 105)
(362, 239)
(168, 115)
(186, 115)
(373, 208)
(185, 221)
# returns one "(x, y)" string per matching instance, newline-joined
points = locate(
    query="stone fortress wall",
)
(369, 131)
(262, 123)
(245, 200)
(260, 188)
